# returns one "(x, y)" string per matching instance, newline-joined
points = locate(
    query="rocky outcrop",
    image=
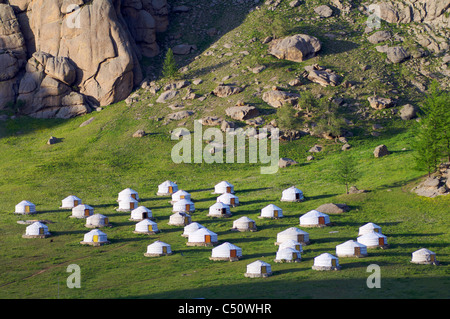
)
(320, 75)
(74, 55)
(295, 48)
(277, 98)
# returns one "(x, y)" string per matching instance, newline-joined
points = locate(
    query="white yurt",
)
(292, 194)
(70, 202)
(229, 199)
(226, 251)
(179, 195)
(326, 261)
(351, 248)
(146, 226)
(184, 205)
(202, 237)
(97, 220)
(293, 233)
(373, 240)
(157, 249)
(167, 188)
(271, 211)
(424, 256)
(36, 230)
(314, 218)
(223, 187)
(25, 207)
(192, 227)
(291, 244)
(141, 213)
(179, 219)
(127, 204)
(369, 228)
(258, 269)
(128, 192)
(219, 209)
(244, 224)
(288, 255)
(95, 238)
(82, 211)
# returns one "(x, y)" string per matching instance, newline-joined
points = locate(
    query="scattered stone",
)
(320, 75)
(324, 11)
(197, 81)
(408, 112)
(397, 54)
(211, 120)
(226, 125)
(295, 48)
(379, 36)
(380, 151)
(435, 185)
(379, 103)
(309, 158)
(166, 96)
(315, 149)
(225, 90)
(285, 162)
(139, 133)
(179, 115)
(242, 113)
(346, 147)
(184, 49)
(276, 98)
(294, 3)
(355, 190)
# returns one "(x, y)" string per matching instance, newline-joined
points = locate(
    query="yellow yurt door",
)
(95, 238)
(357, 251)
(275, 213)
(27, 209)
(131, 205)
(207, 238)
(297, 247)
(182, 196)
(164, 249)
(170, 189)
(149, 228)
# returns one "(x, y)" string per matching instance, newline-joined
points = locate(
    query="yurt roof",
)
(71, 197)
(168, 183)
(95, 216)
(193, 226)
(289, 243)
(372, 235)
(293, 230)
(271, 207)
(219, 205)
(369, 226)
(82, 207)
(127, 191)
(224, 183)
(183, 202)
(129, 199)
(37, 225)
(243, 219)
(226, 195)
(205, 231)
(259, 263)
(424, 251)
(141, 209)
(96, 232)
(227, 246)
(25, 202)
(314, 213)
(325, 256)
(350, 243)
(146, 222)
(158, 243)
(180, 192)
(292, 189)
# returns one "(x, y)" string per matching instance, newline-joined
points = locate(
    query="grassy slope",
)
(97, 161)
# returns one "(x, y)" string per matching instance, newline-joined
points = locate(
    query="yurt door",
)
(188, 207)
(333, 262)
(132, 206)
(75, 203)
(95, 238)
(275, 213)
(186, 220)
(228, 189)
(321, 220)
(357, 251)
(207, 238)
(294, 255)
(27, 209)
(164, 249)
(233, 253)
(182, 196)
(149, 228)
(133, 196)
(232, 201)
(264, 269)
(170, 189)
(300, 238)
(144, 215)
(41, 231)
(86, 212)
(251, 225)
(224, 211)
(432, 258)
(297, 196)
(106, 221)
(297, 247)
(381, 241)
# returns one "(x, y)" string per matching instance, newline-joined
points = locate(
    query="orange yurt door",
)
(170, 189)
(232, 201)
(207, 238)
(321, 220)
(233, 253)
(228, 189)
(86, 212)
(381, 241)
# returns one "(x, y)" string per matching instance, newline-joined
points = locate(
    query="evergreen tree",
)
(170, 69)
(345, 171)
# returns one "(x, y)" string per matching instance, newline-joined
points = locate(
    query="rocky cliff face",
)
(59, 58)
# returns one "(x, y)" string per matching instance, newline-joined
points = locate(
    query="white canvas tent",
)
(258, 269)
(192, 227)
(326, 261)
(369, 228)
(373, 240)
(36, 230)
(70, 202)
(82, 211)
(226, 251)
(97, 220)
(351, 248)
(223, 187)
(293, 233)
(291, 244)
(184, 205)
(229, 199)
(146, 226)
(288, 255)
(244, 224)
(271, 211)
(179, 195)
(141, 213)
(95, 238)
(314, 218)
(202, 237)
(424, 256)
(25, 207)
(219, 209)
(128, 192)
(158, 249)
(292, 194)
(127, 204)
(179, 219)
(167, 188)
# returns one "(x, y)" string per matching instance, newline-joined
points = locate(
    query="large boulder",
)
(408, 112)
(380, 151)
(379, 36)
(320, 75)
(397, 54)
(226, 90)
(295, 48)
(379, 103)
(242, 113)
(277, 99)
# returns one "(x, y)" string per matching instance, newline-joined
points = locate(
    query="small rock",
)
(315, 149)
(285, 162)
(87, 122)
(380, 151)
(139, 133)
(408, 112)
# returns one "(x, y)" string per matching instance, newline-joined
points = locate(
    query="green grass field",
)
(97, 161)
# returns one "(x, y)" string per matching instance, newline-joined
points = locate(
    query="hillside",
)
(98, 160)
